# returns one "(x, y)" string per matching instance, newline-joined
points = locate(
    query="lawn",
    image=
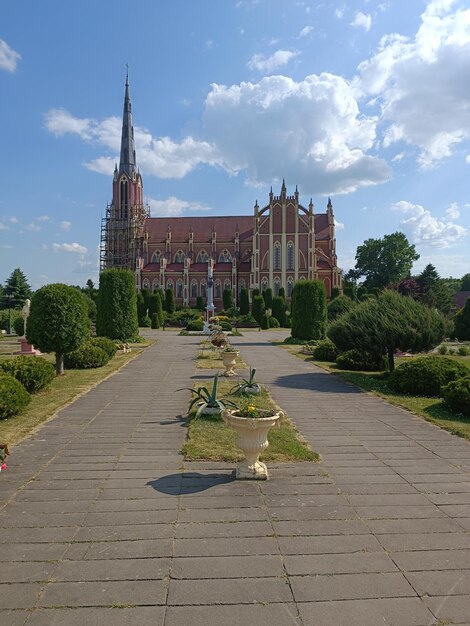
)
(210, 439)
(432, 409)
(63, 390)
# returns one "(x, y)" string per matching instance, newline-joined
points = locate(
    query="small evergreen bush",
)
(145, 322)
(155, 320)
(426, 375)
(195, 325)
(442, 349)
(87, 356)
(464, 350)
(18, 326)
(105, 344)
(325, 351)
(456, 395)
(247, 321)
(273, 322)
(34, 373)
(13, 396)
(359, 361)
(224, 325)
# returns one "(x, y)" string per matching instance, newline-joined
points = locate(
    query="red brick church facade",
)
(279, 244)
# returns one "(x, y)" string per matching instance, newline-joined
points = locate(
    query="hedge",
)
(426, 375)
(13, 396)
(105, 344)
(86, 356)
(456, 395)
(34, 373)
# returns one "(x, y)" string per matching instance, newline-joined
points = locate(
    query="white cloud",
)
(8, 57)
(172, 207)
(452, 211)
(306, 31)
(65, 225)
(4, 226)
(161, 157)
(398, 157)
(425, 229)
(310, 131)
(362, 20)
(32, 227)
(13, 220)
(89, 263)
(422, 83)
(43, 218)
(6, 246)
(339, 225)
(268, 64)
(69, 247)
(339, 12)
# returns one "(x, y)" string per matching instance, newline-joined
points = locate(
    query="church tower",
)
(122, 228)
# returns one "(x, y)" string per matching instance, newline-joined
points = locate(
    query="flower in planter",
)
(4, 452)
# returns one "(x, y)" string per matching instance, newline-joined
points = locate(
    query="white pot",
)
(252, 439)
(229, 360)
(253, 390)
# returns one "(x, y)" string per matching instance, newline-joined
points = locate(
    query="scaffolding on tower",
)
(121, 239)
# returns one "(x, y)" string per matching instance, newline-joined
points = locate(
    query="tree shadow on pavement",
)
(189, 482)
(316, 381)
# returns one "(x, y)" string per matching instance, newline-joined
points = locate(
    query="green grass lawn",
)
(63, 390)
(210, 439)
(432, 409)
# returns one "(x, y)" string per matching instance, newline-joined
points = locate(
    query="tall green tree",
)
(435, 292)
(244, 302)
(117, 305)
(279, 310)
(384, 261)
(258, 308)
(17, 286)
(58, 321)
(268, 298)
(339, 306)
(462, 322)
(382, 325)
(227, 299)
(465, 283)
(169, 301)
(308, 310)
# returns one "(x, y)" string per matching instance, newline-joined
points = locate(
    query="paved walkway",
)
(104, 523)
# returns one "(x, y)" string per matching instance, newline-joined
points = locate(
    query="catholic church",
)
(279, 244)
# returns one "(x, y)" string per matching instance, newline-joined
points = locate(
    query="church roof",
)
(202, 227)
(127, 159)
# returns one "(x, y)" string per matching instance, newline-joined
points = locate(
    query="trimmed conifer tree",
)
(117, 305)
(258, 308)
(159, 308)
(282, 293)
(308, 310)
(227, 299)
(279, 310)
(255, 292)
(244, 302)
(58, 321)
(153, 303)
(141, 309)
(462, 322)
(169, 301)
(268, 298)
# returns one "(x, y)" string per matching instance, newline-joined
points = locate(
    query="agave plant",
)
(247, 386)
(208, 399)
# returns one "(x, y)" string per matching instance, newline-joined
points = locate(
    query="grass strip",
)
(209, 439)
(62, 391)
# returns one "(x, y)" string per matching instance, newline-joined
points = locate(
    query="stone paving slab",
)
(117, 529)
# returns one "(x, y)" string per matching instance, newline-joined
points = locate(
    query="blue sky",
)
(366, 101)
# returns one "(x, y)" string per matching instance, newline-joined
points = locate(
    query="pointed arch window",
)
(277, 256)
(290, 256)
(225, 256)
(264, 284)
(156, 256)
(290, 286)
(179, 288)
(179, 256)
(241, 285)
(218, 289)
(227, 284)
(193, 289)
(155, 286)
(146, 284)
(169, 284)
(277, 286)
(203, 289)
(123, 198)
(202, 257)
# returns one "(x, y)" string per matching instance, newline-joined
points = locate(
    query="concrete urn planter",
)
(252, 439)
(229, 360)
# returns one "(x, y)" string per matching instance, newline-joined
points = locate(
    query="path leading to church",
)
(105, 524)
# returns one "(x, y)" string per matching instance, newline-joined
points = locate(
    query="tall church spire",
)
(127, 160)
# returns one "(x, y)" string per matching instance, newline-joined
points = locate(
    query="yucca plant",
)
(208, 399)
(247, 385)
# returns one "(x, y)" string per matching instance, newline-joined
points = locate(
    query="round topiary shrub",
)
(13, 396)
(224, 325)
(273, 322)
(145, 322)
(360, 361)
(425, 375)
(18, 326)
(195, 325)
(457, 395)
(105, 344)
(325, 351)
(87, 356)
(34, 373)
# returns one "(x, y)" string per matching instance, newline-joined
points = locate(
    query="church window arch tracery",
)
(227, 284)
(203, 289)
(202, 257)
(225, 256)
(179, 288)
(179, 256)
(146, 284)
(277, 256)
(155, 286)
(290, 286)
(217, 289)
(264, 284)
(169, 284)
(290, 255)
(193, 289)
(277, 286)
(156, 256)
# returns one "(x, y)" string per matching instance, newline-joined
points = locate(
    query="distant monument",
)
(26, 348)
